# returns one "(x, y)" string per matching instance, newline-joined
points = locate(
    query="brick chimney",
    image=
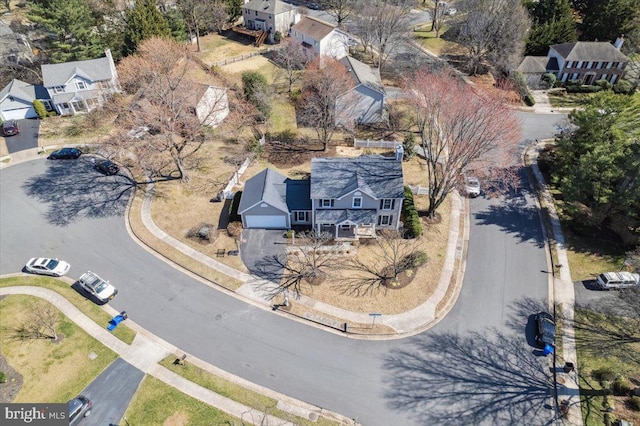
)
(619, 42)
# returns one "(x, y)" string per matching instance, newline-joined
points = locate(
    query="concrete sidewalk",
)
(147, 350)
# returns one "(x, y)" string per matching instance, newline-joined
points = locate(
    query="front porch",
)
(347, 224)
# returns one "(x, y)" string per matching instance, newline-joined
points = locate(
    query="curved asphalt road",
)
(473, 367)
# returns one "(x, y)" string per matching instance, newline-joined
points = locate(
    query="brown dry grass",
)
(216, 47)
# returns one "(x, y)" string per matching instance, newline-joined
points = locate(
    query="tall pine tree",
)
(553, 23)
(605, 20)
(143, 21)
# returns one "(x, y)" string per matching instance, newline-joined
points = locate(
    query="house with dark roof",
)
(270, 16)
(347, 197)
(16, 100)
(587, 61)
(320, 38)
(364, 102)
(80, 86)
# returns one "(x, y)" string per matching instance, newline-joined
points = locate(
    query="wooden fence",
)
(359, 143)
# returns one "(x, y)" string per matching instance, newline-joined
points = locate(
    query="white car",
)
(47, 266)
(472, 186)
(97, 287)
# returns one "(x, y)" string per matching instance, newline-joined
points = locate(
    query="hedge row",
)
(233, 208)
(521, 84)
(412, 223)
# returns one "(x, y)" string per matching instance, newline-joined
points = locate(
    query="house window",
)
(345, 227)
(583, 65)
(599, 65)
(357, 202)
(387, 204)
(574, 76)
(608, 65)
(603, 77)
(326, 202)
(64, 105)
(256, 13)
(569, 64)
(614, 65)
(385, 219)
(47, 105)
(301, 217)
(58, 89)
(80, 85)
(613, 78)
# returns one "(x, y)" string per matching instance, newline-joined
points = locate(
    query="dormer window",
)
(80, 85)
(58, 89)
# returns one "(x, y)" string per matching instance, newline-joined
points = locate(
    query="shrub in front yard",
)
(234, 229)
(621, 386)
(521, 85)
(604, 84)
(204, 232)
(40, 109)
(634, 403)
(574, 88)
(550, 79)
(623, 87)
(412, 223)
(604, 374)
(233, 208)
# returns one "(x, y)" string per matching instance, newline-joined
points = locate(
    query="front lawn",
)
(561, 99)
(51, 371)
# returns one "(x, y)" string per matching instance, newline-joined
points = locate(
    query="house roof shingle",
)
(363, 74)
(275, 7)
(381, 177)
(315, 28)
(277, 190)
(589, 51)
(92, 69)
(25, 91)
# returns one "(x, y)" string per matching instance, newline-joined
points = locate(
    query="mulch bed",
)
(403, 279)
(294, 153)
(10, 388)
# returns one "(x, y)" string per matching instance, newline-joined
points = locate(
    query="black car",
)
(79, 408)
(545, 329)
(107, 167)
(10, 128)
(65, 154)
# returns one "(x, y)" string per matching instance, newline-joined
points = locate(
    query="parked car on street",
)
(79, 408)
(97, 287)
(545, 329)
(47, 266)
(65, 154)
(472, 186)
(10, 128)
(107, 167)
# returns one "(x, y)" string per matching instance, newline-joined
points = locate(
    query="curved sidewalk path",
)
(147, 350)
(410, 322)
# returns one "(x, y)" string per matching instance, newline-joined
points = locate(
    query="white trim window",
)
(301, 216)
(58, 89)
(385, 219)
(357, 203)
(80, 85)
(387, 204)
(326, 202)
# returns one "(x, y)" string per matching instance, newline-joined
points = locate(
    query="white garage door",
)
(275, 222)
(19, 114)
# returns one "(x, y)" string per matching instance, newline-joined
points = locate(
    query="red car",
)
(10, 128)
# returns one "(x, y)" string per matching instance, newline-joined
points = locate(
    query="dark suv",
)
(545, 329)
(10, 128)
(79, 408)
(107, 167)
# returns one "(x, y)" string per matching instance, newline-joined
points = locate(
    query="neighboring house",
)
(364, 103)
(347, 197)
(212, 105)
(588, 61)
(269, 15)
(320, 38)
(80, 86)
(14, 47)
(16, 100)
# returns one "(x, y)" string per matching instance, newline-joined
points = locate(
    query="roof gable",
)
(275, 7)
(317, 29)
(23, 91)
(378, 176)
(92, 70)
(363, 74)
(589, 51)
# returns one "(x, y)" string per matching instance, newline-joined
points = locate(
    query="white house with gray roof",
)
(16, 100)
(364, 102)
(270, 16)
(80, 86)
(347, 197)
(320, 38)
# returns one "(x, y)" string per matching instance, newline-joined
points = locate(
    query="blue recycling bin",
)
(548, 350)
(117, 320)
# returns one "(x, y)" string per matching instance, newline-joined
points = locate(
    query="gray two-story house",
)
(80, 86)
(347, 197)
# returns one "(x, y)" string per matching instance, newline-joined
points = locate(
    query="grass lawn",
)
(236, 392)
(592, 396)
(52, 372)
(427, 38)
(89, 308)
(215, 47)
(156, 403)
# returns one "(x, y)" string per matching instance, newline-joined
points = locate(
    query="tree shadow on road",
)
(72, 189)
(516, 217)
(481, 378)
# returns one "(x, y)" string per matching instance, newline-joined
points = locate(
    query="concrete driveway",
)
(26, 139)
(263, 252)
(111, 393)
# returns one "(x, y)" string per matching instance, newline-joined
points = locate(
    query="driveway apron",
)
(263, 251)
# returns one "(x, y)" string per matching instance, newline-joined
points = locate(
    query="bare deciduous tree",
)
(461, 131)
(310, 262)
(203, 15)
(164, 104)
(324, 97)
(393, 255)
(291, 59)
(384, 25)
(40, 322)
(493, 31)
(438, 16)
(341, 10)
